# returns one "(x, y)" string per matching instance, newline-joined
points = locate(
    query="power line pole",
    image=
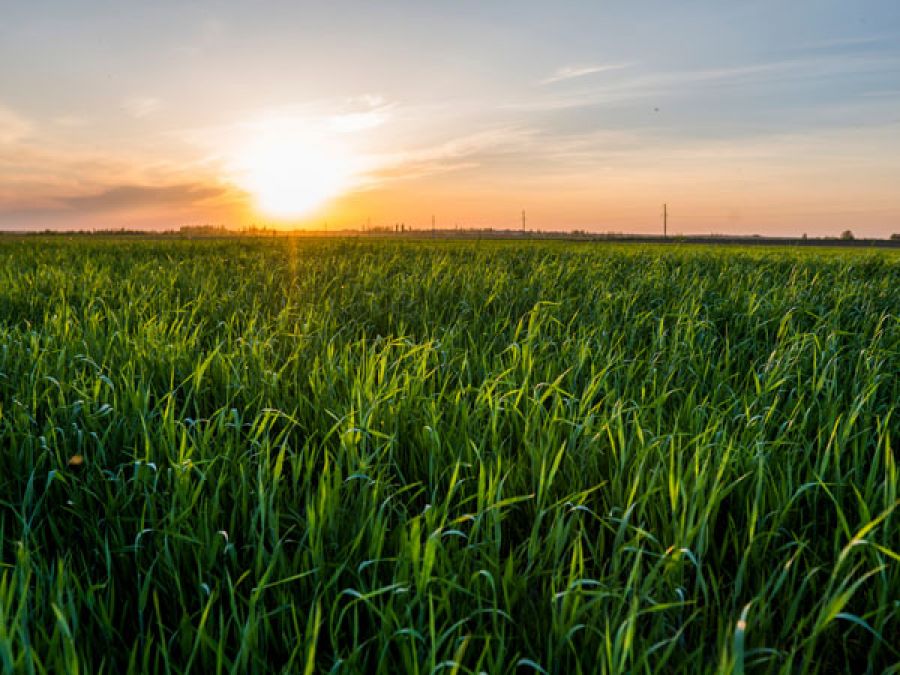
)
(432, 227)
(665, 221)
(523, 221)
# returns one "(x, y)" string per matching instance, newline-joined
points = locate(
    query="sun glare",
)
(291, 174)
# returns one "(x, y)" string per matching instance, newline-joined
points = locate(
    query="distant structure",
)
(665, 221)
(523, 221)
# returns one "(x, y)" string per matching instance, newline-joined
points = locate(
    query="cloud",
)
(13, 127)
(376, 112)
(463, 152)
(70, 121)
(857, 43)
(46, 169)
(205, 34)
(125, 205)
(126, 197)
(326, 117)
(141, 106)
(572, 72)
(57, 201)
(357, 121)
(775, 72)
(369, 101)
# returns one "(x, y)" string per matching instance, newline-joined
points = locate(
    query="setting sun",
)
(290, 174)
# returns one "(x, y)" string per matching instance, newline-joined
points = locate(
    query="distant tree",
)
(804, 237)
(847, 235)
(895, 236)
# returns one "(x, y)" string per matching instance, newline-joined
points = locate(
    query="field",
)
(375, 456)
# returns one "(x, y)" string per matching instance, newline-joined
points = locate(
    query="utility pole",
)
(665, 221)
(432, 227)
(523, 221)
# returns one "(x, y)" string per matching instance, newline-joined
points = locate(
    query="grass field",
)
(353, 456)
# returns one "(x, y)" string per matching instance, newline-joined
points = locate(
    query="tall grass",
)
(413, 457)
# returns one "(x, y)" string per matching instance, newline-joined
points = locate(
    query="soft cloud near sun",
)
(337, 132)
(293, 159)
(324, 118)
(13, 127)
(47, 180)
(360, 121)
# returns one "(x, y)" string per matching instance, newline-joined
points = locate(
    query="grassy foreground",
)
(247, 456)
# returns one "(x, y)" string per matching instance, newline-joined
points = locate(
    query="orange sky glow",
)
(744, 120)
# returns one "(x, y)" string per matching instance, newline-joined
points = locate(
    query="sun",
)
(290, 173)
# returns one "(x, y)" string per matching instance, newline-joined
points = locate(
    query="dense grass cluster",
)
(345, 456)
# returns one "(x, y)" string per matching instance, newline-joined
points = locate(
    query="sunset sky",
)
(764, 116)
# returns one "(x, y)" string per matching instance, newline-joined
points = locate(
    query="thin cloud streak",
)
(656, 84)
(573, 72)
(463, 152)
(124, 197)
(126, 205)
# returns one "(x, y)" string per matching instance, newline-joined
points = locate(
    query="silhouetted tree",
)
(847, 235)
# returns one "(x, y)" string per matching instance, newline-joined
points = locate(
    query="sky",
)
(755, 117)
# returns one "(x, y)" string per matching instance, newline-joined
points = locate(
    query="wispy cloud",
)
(664, 82)
(126, 205)
(70, 121)
(353, 122)
(141, 106)
(327, 116)
(362, 113)
(48, 173)
(572, 72)
(124, 197)
(13, 127)
(205, 34)
(463, 152)
(856, 43)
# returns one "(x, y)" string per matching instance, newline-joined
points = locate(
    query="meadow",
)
(379, 456)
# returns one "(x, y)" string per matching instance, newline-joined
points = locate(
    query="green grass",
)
(423, 457)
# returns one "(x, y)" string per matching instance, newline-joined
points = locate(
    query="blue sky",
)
(766, 117)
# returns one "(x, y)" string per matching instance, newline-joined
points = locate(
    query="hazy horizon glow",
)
(762, 117)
